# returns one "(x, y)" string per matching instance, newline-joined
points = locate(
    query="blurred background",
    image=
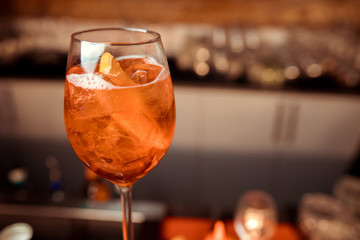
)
(267, 96)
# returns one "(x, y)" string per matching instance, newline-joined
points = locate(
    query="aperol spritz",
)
(119, 105)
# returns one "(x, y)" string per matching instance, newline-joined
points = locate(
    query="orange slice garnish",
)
(109, 65)
(111, 68)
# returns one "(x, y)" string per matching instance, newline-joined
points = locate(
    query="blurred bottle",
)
(95, 187)
(56, 181)
(18, 180)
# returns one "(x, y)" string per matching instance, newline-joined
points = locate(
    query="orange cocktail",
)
(119, 106)
(120, 119)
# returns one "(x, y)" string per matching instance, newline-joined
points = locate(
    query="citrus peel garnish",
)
(111, 68)
(109, 65)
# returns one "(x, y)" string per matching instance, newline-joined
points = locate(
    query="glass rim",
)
(156, 36)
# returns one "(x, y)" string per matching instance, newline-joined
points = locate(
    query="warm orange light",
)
(219, 232)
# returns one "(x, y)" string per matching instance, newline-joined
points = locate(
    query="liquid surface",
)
(120, 125)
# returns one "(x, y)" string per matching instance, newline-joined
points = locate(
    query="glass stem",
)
(127, 224)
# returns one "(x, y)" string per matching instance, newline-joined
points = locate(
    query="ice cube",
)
(89, 96)
(143, 73)
(142, 128)
(140, 76)
(120, 80)
(160, 96)
(127, 62)
(131, 141)
(117, 145)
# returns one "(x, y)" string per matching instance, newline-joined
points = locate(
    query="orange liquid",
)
(120, 132)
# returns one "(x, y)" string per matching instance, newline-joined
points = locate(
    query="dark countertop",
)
(44, 65)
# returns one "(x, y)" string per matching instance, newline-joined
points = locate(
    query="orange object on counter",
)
(219, 232)
(96, 188)
(186, 228)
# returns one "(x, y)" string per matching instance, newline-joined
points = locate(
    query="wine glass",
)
(119, 106)
(255, 216)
